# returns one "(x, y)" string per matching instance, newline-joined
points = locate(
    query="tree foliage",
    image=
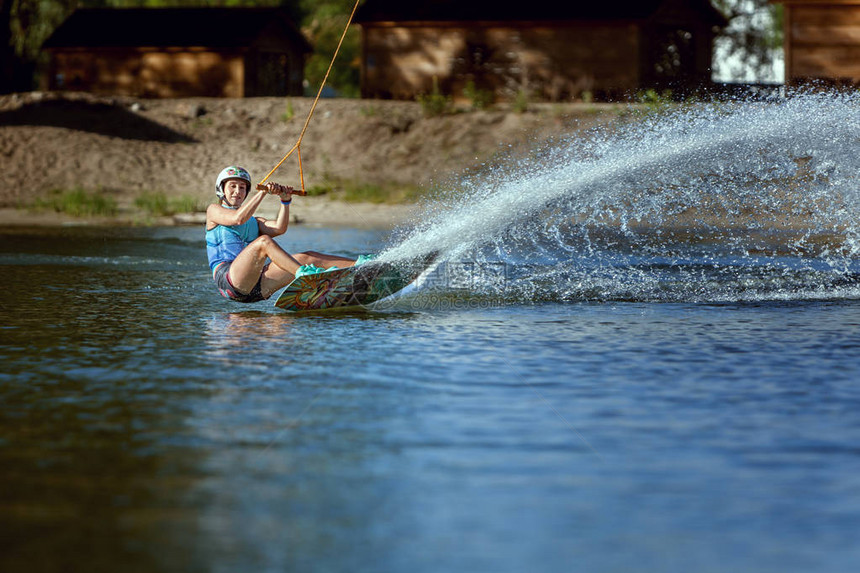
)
(323, 26)
(751, 45)
(26, 24)
(32, 21)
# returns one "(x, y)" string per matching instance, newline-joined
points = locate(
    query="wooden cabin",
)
(553, 50)
(822, 42)
(178, 52)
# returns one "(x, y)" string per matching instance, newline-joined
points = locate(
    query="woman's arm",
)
(218, 215)
(282, 221)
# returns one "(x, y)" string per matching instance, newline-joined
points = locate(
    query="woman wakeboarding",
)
(246, 262)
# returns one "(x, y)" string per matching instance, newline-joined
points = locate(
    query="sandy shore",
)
(123, 148)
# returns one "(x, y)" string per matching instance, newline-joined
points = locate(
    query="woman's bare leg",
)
(323, 260)
(247, 268)
(275, 278)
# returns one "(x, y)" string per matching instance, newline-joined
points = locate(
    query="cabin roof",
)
(171, 27)
(531, 10)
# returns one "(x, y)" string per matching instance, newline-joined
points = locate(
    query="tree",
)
(750, 47)
(26, 24)
(323, 26)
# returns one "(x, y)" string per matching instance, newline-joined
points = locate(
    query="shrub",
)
(521, 102)
(289, 113)
(481, 99)
(436, 103)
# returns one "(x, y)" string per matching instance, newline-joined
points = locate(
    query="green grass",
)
(365, 193)
(159, 204)
(319, 189)
(77, 202)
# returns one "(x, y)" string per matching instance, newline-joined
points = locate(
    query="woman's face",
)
(235, 191)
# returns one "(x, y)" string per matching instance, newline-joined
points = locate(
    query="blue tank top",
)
(224, 243)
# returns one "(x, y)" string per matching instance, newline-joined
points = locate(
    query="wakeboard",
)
(353, 287)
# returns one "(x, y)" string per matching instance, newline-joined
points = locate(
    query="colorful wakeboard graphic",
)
(350, 287)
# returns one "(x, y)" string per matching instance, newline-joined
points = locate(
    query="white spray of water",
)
(726, 175)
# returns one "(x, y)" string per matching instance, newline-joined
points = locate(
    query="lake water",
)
(149, 425)
(570, 393)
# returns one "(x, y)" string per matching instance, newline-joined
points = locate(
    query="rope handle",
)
(261, 187)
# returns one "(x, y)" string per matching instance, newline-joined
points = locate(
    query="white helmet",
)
(232, 172)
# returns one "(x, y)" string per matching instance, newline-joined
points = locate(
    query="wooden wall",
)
(822, 41)
(554, 62)
(148, 72)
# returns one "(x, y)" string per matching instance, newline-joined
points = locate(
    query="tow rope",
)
(297, 148)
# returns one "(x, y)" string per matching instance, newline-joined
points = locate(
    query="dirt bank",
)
(125, 147)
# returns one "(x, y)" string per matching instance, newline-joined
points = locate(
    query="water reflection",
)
(229, 330)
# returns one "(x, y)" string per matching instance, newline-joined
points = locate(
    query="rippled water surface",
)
(629, 361)
(148, 425)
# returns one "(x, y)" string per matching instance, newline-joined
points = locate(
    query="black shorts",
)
(227, 290)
